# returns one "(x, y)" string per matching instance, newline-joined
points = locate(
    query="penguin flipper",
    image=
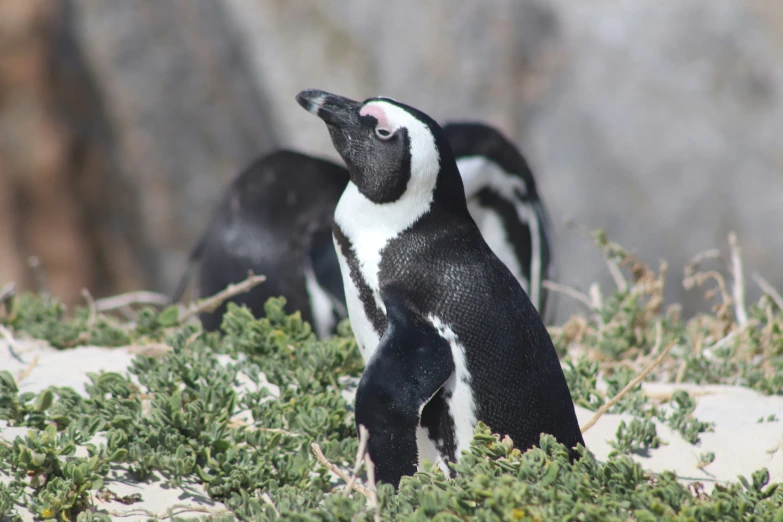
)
(410, 365)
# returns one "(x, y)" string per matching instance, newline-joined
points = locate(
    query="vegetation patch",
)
(237, 413)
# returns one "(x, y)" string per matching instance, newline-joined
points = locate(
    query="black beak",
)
(334, 110)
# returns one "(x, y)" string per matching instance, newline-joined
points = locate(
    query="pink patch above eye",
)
(378, 113)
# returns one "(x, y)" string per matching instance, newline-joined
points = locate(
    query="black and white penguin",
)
(275, 219)
(502, 199)
(448, 334)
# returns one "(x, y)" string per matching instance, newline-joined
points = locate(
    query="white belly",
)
(366, 336)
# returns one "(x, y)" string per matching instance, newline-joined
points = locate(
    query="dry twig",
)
(617, 275)
(364, 436)
(24, 373)
(122, 300)
(11, 344)
(170, 512)
(212, 303)
(739, 281)
(639, 378)
(337, 471)
(91, 303)
(567, 290)
(769, 290)
(373, 498)
(596, 297)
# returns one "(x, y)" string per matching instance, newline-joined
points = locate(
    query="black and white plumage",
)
(448, 335)
(295, 250)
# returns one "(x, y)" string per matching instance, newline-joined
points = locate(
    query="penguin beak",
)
(334, 110)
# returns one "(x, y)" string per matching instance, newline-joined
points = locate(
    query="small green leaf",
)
(37, 459)
(169, 316)
(44, 401)
(119, 455)
(7, 380)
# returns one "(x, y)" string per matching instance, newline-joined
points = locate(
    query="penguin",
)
(502, 198)
(448, 335)
(275, 219)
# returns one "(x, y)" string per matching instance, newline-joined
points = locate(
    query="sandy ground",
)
(740, 443)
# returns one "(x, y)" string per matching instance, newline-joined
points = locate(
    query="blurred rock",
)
(185, 117)
(40, 212)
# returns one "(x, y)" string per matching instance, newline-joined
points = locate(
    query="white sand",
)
(741, 444)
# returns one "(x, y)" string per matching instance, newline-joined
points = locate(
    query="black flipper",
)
(412, 362)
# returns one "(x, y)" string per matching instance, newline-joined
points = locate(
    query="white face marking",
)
(370, 226)
(462, 405)
(321, 306)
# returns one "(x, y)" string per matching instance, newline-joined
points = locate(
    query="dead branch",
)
(769, 290)
(596, 297)
(739, 281)
(617, 275)
(337, 471)
(212, 303)
(695, 262)
(11, 344)
(639, 378)
(22, 375)
(373, 492)
(567, 290)
(170, 512)
(364, 436)
(91, 303)
(142, 297)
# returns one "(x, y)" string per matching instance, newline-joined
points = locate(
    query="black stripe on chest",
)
(516, 231)
(375, 314)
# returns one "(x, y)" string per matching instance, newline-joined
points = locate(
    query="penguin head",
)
(478, 148)
(390, 149)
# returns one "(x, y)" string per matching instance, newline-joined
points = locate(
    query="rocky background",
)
(659, 121)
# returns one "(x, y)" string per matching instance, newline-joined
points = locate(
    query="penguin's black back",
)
(268, 221)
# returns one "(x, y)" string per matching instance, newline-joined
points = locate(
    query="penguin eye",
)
(383, 133)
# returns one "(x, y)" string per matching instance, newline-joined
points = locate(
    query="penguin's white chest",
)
(366, 336)
(369, 227)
